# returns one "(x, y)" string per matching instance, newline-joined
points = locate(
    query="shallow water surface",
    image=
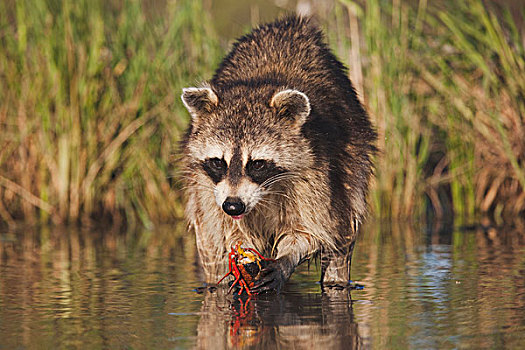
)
(423, 288)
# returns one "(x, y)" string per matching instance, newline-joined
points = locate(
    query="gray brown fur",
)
(321, 142)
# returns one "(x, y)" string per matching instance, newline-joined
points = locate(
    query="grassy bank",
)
(90, 112)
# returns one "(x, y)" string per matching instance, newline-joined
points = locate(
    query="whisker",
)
(267, 201)
(262, 204)
(277, 193)
(279, 177)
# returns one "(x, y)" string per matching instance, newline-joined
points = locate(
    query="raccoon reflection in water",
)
(278, 156)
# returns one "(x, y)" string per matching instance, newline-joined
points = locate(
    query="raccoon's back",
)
(285, 51)
(291, 53)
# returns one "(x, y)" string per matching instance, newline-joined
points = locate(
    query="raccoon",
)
(278, 155)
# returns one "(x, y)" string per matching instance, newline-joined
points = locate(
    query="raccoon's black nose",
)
(233, 206)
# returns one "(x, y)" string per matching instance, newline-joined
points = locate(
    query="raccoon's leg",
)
(335, 266)
(213, 261)
(213, 257)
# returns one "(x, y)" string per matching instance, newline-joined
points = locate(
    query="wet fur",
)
(318, 203)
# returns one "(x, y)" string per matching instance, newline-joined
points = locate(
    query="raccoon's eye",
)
(215, 168)
(261, 170)
(217, 164)
(257, 165)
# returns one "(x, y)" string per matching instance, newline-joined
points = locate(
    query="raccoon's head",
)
(241, 147)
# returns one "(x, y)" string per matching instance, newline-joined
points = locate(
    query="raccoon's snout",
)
(233, 206)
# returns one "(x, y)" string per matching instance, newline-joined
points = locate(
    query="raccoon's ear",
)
(292, 105)
(199, 101)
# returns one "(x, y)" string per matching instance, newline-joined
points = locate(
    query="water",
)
(423, 289)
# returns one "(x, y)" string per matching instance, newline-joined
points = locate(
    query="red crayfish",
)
(245, 265)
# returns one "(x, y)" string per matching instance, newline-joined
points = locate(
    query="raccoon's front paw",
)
(271, 278)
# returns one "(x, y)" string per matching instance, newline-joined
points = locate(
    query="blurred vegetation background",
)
(90, 114)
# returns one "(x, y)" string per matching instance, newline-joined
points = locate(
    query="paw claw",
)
(271, 279)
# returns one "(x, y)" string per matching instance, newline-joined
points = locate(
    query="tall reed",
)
(89, 106)
(478, 73)
(445, 84)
